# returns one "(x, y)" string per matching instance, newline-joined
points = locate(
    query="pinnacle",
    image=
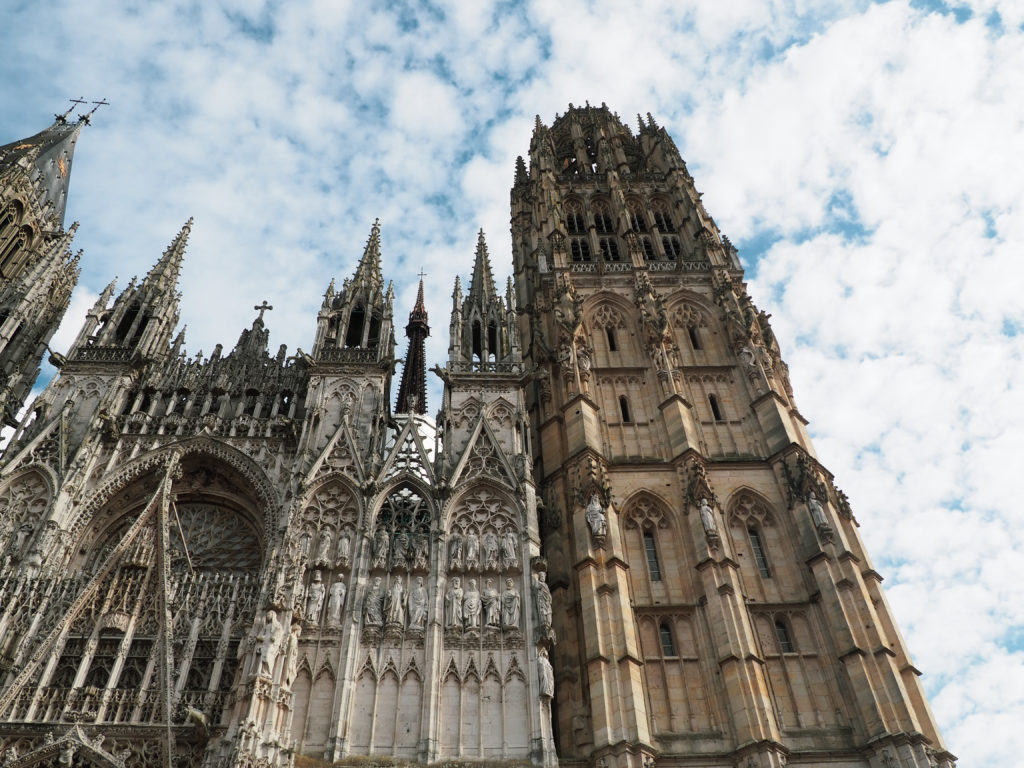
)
(481, 283)
(167, 268)
(368, 271)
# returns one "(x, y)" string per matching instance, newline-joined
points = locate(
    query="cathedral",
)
(613, 546)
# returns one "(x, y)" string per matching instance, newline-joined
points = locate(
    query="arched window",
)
(478, 340)
(637, 220)
(668, 646)
(670, 244)
(624, 409)
(648, 247)
(603, 218)
(785, 641)
(124, 328)
(354, 334)
(651, 550)
(609, 248)
(662, 217)
(492, 341)
(579, 249)
(757, 549)
(374, 335)
(574, 222)
(612, 341)
(694, 338)
(716, 408)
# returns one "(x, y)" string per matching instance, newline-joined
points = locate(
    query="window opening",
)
(492, 341)
(668, 647)
(694, 338)
(624, 409)
(648, 247)
(478, 340)
(609, 248)
(716, 409)
(580, 249)
(759, 557)
(653, 566)
(670, 244)
(612, 341)
(354, 335)
(785, 641)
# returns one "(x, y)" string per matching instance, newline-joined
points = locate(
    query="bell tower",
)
(712, 594)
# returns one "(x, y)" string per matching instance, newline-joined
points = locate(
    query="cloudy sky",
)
(867, 159)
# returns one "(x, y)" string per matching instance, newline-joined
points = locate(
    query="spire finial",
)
(63, 118)
(101, 103)
(262, 308)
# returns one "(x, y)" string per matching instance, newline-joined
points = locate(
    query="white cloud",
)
(286, 145)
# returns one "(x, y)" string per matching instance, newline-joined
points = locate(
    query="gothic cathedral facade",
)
(613, 547)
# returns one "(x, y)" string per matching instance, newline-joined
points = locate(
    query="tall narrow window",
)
(624, 409)
(653, 567)
(670, 243)
(478, 340)
(694, 338)
(580, 249)
(648, 247)
(354, 335)
(758, 550)
(785, 641)
(492, 341)
(574, 223)
(668, 647)
(612, 341)
(716, 409)
(609, 248)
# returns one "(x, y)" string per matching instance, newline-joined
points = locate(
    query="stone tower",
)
(614, 546)
(37, 270)
(712, 595)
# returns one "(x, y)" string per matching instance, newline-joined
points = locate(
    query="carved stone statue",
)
(817, 512)
(396, 603)
(270, 640)
(315, 597)
(373, 604)
(399, 549)
(418, 605)
(542, 601)
(380, 548)
(453, 604)
(510, 606)
(421, 550)
(546, 674)
(707, 518)
(491, 551)
(305, 544)
(335, 603)
(471, 606)
(472, 551)
(491, 605)
(292, 654)
(454, 550)
(344, 548)
(596, 518)
(509, 548)
(323, 550)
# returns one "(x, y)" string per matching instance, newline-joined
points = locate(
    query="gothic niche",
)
(483, 560)
(107, 668)
(396, 599)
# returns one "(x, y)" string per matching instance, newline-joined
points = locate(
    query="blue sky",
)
(867, 159)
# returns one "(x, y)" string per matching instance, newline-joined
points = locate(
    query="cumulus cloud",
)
(866, 157)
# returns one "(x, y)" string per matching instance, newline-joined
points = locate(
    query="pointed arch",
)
(745, 507)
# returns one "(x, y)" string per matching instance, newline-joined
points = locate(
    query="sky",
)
(866, 158)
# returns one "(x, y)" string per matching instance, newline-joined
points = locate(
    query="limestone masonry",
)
(614, 547)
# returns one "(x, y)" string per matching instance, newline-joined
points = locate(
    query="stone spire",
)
(42, 164)
(412, 392)
(368, 272)
(481, 284)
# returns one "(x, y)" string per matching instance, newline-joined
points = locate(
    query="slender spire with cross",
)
(85, 118)
(63, 118)
(262, 308)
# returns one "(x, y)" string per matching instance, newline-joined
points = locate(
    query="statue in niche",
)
(292, 654)
(305, 544)
(323, 551)
(491, 605)
(509, 548)
(344, 548)
(396, 603)
(418, 605)
(373, 604)
(315, 597)
(817, 512)
(707, 518)
(23, 533)
(33, 564)
(399, 549)
(491, 551)
(510, 606)
(453, 604)
(546, 674)
(454, 550)
(472, 550)
(335, 603)
(380, 547)
(471, 606)
(421, 550)
(270, 640)
(596, 518)
(542, 601)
